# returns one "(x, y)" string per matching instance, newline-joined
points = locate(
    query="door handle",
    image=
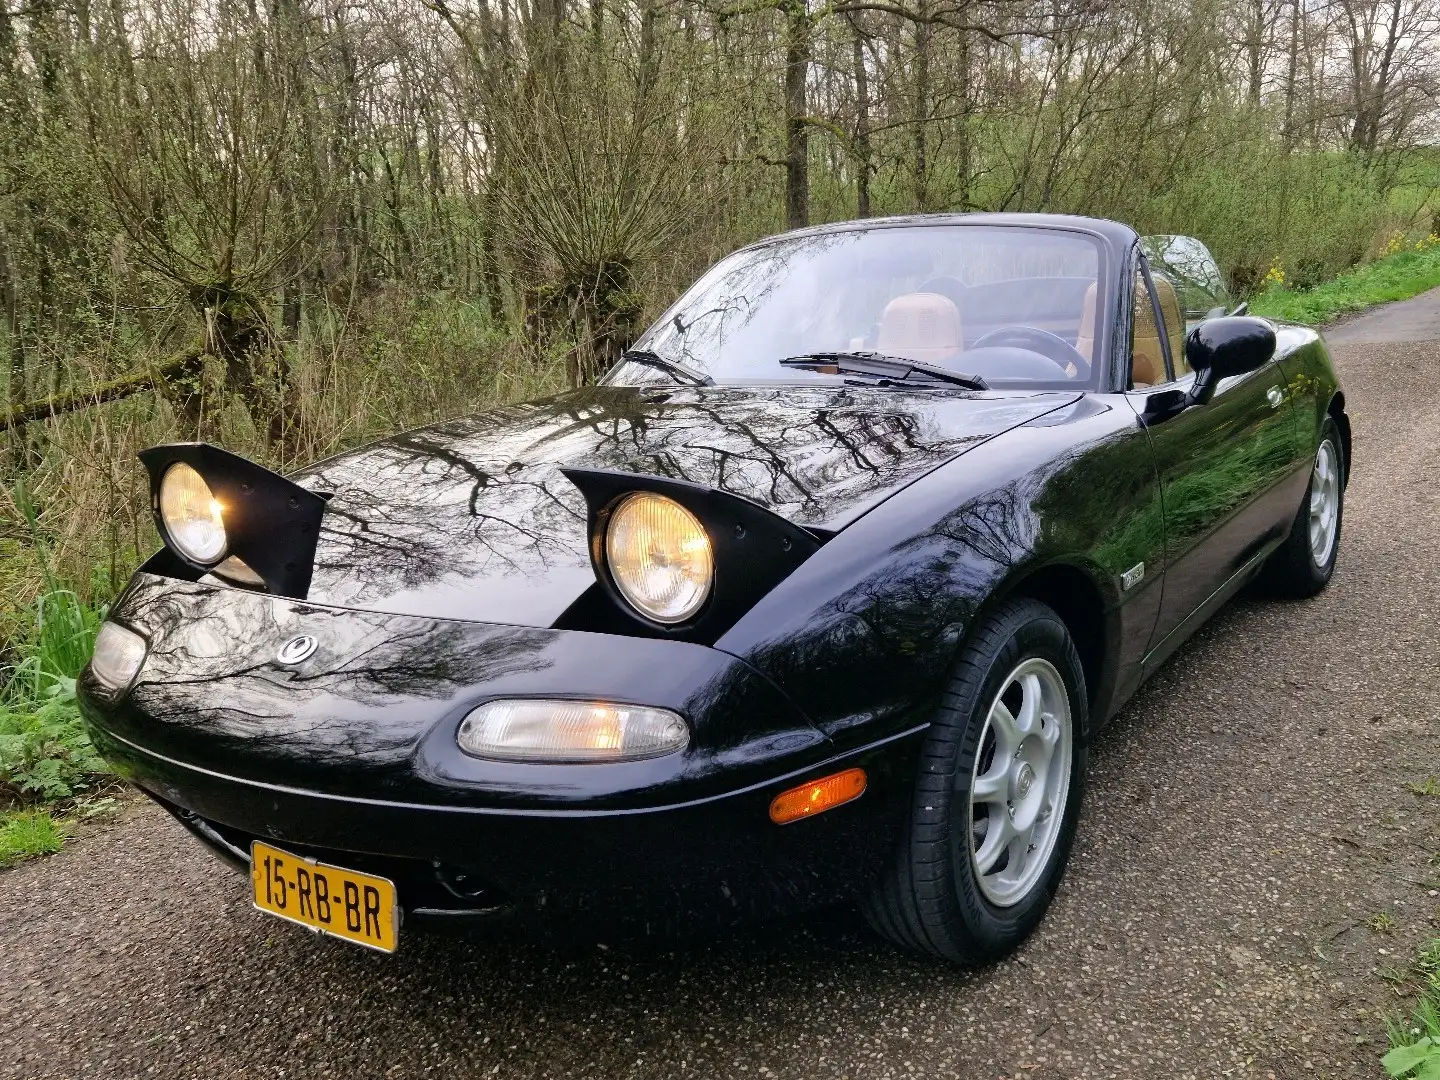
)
(1275, 396)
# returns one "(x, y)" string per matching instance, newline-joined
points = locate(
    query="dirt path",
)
(1251, 812)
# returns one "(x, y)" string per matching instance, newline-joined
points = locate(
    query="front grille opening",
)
(430, 885)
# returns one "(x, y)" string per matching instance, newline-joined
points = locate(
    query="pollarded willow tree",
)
(237, 180)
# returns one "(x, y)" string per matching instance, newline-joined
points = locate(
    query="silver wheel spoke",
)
(1050, 736)
(992, 787)
(1007, 733)
(998, 834)
(1028, 721)
(1019, 849)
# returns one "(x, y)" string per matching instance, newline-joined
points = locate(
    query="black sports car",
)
(819, 594)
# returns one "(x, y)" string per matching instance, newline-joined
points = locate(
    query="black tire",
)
(930, 900)
(1293, 570)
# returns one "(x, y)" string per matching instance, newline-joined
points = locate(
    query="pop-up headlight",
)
(659, 557)
(193, 518)
(224, 515)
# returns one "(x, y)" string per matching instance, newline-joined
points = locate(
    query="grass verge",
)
(1397, 276)
(25, 834)
(49, 772)
(1415, 1045)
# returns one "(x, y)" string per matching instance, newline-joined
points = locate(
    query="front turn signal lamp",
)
(570, 732)
(119, 653)
(817, 796)
(659, 557)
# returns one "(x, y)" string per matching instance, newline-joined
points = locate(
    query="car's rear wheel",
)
(1305, 562)
(998, 794)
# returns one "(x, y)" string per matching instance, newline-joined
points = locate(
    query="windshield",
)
(1015, 305)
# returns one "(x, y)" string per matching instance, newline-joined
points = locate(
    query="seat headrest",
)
(920, 326)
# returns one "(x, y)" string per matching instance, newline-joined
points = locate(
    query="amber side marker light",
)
(817, 796)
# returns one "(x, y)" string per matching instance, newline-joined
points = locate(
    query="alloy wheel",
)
(1324, 502)
(1020, 782)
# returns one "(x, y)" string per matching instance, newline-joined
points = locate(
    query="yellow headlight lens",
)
(659, 557)
(193, 519)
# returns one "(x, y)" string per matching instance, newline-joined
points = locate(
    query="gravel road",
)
(1252, 811)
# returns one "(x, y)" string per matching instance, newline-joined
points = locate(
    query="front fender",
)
(1311, 381)
(866, 632)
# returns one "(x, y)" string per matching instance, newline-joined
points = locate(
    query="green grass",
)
(1395, 277)
(46, 761)
(28, 833)
(1415, 1044)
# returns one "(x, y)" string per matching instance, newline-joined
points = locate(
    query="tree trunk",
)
(862, 128)
(797, 131)
(919, 167)
(647, 58)
(11, 312)
(1254, 47)
(1291, 69)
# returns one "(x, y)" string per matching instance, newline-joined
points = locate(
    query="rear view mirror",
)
(1220, 348)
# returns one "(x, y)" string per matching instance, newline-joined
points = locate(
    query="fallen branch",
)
(137, 382)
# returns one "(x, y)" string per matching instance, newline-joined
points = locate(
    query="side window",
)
(1147, 357)
(1192, 270)
(1175, 324)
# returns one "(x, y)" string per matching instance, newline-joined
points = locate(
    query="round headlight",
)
(659, 557)
(191, 515)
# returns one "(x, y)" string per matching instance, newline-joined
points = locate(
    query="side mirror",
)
(1220, 348)
(1216, 349)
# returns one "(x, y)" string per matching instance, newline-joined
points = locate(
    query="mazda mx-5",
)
(818, 595)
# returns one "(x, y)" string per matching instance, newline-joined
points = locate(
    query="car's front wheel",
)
(1305, 562)
(997, 797)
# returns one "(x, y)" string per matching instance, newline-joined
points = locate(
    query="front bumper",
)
(350, 758)
(668, 870)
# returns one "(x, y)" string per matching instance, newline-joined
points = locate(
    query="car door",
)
(1226, 467)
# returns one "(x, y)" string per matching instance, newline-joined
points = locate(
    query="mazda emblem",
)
(297, 649)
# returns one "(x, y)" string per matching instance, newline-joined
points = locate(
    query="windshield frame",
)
(1095, 230)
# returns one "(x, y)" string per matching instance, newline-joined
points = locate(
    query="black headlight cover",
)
(271, 523)
(754, 548)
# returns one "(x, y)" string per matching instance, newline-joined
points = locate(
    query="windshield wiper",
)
(676, 370)
(884, 367)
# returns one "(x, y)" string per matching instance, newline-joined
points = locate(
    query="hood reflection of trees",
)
(483, 495)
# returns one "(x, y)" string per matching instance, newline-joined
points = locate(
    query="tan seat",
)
(1147, 357)
(920, 326)
(1085, 339)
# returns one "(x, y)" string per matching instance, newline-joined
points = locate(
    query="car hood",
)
(472, 519)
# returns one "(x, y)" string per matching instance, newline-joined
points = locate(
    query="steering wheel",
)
(1048, 345)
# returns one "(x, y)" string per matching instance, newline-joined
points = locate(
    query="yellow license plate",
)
(350, 905)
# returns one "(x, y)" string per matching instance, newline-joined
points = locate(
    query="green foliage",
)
(45, 754)
(27, 834)
(1415, 1046)
(1397, 276)
(44, 751)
